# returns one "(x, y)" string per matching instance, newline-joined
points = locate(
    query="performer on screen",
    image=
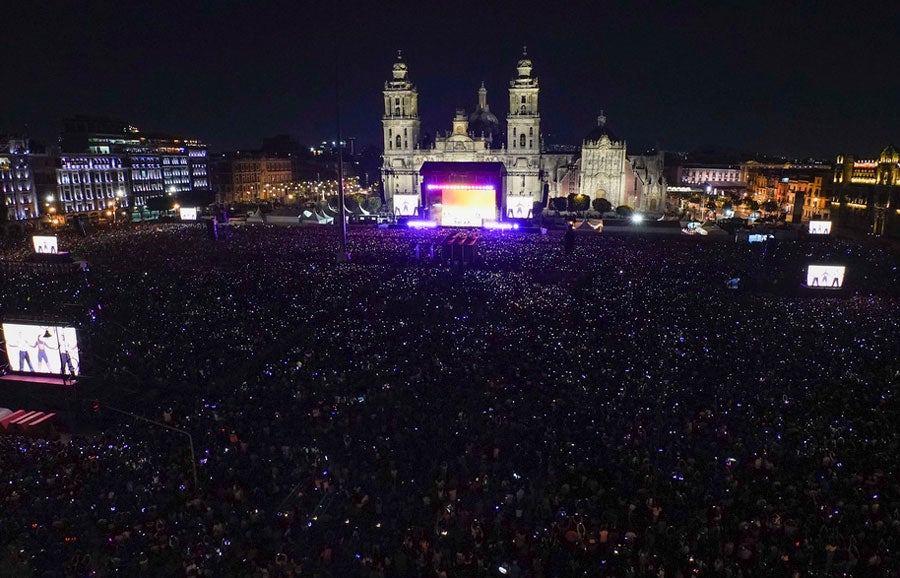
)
(23, 346)
(42, 359)
(65, 355)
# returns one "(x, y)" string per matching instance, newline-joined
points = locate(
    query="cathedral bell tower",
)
(523, 122)
(523, 138)
(400, 123)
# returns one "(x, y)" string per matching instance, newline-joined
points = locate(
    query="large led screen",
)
(825, 276)
(188, 213)
(467, 207)
(41, 348)
(519, 207)
(820, 227)
(406, 205)
(45, 244)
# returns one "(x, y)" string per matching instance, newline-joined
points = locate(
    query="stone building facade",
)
(599, 166)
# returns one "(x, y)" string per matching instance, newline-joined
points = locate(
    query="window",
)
(522, 110)
(531, 131)
(399, 142)
(522, 140)
(523, 100)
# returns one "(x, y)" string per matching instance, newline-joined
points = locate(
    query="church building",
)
(476, 161)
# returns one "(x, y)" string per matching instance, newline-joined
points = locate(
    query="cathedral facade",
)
(531, 174)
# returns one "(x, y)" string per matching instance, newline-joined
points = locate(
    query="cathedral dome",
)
(483, 122)
(600, 131)
(484, 116)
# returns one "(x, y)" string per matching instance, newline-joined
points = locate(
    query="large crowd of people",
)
(616, 411)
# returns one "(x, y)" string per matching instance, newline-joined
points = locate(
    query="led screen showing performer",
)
(406, 205)
(45, 244)
(825, 276)
(820, 227)
(188, 213)
(519, 207)
(45, 349)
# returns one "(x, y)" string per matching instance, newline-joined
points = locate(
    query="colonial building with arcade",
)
(479, 172)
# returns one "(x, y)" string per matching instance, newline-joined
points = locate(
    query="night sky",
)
(815, 79)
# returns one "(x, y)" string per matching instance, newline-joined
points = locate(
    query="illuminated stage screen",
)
(41, 348)
(45, 244)
(825, 276)
(462, 207)
(406, 205)
(519, 207)
(188, 213)
(820, 227)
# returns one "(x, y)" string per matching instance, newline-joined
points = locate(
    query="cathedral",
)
(478, 154)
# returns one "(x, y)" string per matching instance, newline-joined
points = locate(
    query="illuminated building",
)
(251, 176)
(599, 167)
(805, 200)
(715, 175)
(885, 170)
(602, 165)
(146, 178)
(865, 194)
(155, 165)
(91, 182)
(26, 180)
(768, 181)
(646, 183)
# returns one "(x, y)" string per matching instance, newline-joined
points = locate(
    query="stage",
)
(39, 379)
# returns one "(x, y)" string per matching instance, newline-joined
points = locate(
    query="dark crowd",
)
(616, 411)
